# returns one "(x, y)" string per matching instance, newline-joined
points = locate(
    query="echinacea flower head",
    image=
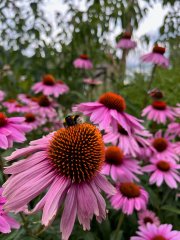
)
(156, 57)
(6, 222)
(147, 216)
(67, 163)
(126, 42)
(50, 86)
(83, 62)
(109, 111)
(163, 170)
(162, 146)
(92, 82)
(130, 144)
(12, 129)
(32, 120)
(129, 197)
(119, 166)
(154, 232)
(159, 112)
(2, 95)
(44, 107)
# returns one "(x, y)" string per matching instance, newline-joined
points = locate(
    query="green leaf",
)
(171, 209)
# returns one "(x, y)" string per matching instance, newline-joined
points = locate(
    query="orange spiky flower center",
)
(113, 101)
(163, 166)
(159, 105)
(3, 120)
(114, 155)
(30, 117)
(122, 131)
(158, 49)
(159, 237)
(130, 190)
(48, 80)
(77, 152)
(44, 101)
(160, 144)
(84, 56)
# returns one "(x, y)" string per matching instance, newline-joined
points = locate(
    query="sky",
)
(149, 25)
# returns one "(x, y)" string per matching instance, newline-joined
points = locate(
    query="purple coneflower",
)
(126, 42)
(32, 120)
(129, 197)
(49, 86)
(159, 112)
(156, 57)
(44, 107)
(83, 62)
(12, 129)
(119, 166)
(162, 146)
(108, 111)
(67, 163)
(147, 216)
(6, 222)
(153, 232)
(163, 170)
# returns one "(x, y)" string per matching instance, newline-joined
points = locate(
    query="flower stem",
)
(152, 77)
(150, 84)
(25, 224)
(121, 218)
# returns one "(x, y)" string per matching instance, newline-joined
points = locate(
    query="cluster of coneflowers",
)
(74, 163)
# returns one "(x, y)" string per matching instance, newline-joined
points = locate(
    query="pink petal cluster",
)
(156, 57)
(146, 217)
(6, 222)
(130, 144)
(12, 130)
(129, 202)
(163, 170)
(2, 95)
(126, 44)
(159, 115)
(126, 168)
(49, 86)
(83, 62)
(163, 147)
(174, 129)
(109, 116)
(151, 232)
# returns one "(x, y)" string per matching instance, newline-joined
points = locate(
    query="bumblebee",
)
(72, 120)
